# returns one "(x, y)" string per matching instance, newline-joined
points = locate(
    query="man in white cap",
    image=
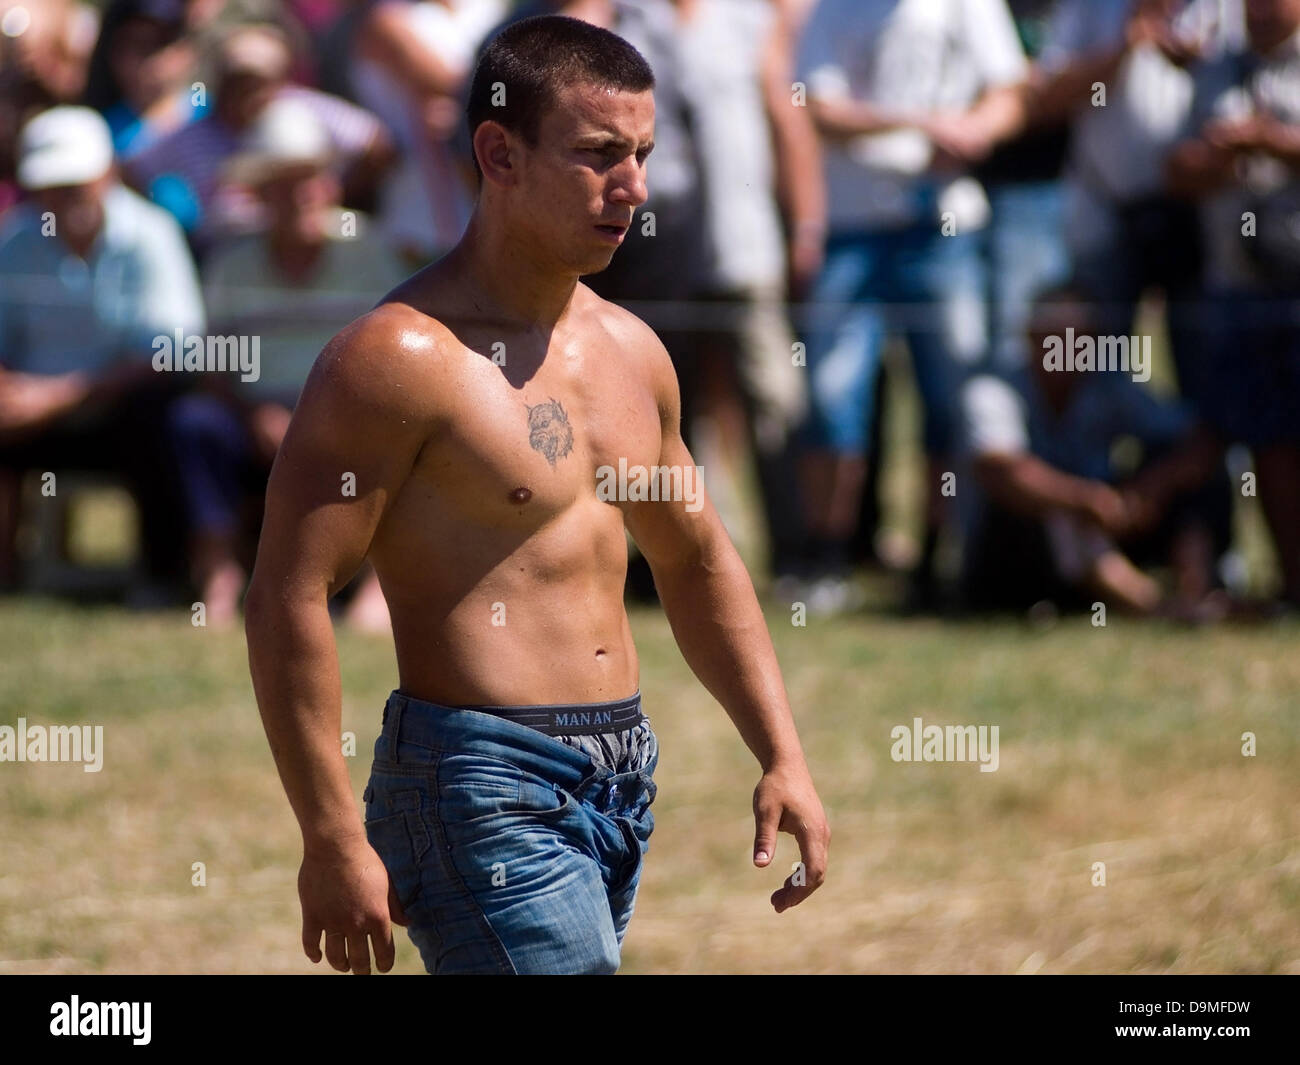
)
(90, 274)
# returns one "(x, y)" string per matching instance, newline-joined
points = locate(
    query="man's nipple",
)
(521, 495)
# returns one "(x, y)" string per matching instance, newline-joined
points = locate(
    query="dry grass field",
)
(1119, 745)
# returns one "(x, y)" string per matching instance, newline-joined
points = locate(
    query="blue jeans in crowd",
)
(914, 281)
(511, 851)
(1027, 254)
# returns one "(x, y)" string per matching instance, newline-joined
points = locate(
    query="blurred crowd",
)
(1022, 193)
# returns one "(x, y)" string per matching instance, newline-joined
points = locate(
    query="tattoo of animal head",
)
(549, 431)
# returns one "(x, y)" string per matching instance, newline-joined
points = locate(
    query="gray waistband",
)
(571, 719)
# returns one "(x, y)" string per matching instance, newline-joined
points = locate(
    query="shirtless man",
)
(455, 435)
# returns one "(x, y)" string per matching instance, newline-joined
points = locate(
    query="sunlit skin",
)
(475, 499)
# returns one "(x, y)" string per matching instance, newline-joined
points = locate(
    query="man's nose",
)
(630, 184)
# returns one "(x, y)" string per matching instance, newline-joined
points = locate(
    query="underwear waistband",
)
(563, 719)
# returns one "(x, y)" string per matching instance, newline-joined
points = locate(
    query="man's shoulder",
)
(392, 360)
(631, 333)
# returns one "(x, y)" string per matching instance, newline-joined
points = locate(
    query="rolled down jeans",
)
(511, 850)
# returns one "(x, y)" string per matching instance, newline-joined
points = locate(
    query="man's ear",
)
(494, 148)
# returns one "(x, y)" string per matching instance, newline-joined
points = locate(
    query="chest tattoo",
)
(549, 431)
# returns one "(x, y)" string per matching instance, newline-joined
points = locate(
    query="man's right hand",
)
(346, 894)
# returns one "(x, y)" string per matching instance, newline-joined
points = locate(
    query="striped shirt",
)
(182, 172)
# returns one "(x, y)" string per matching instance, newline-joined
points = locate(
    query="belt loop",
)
(395, 736)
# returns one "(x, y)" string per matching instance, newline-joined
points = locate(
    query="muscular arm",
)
(354, 418)
(715, 617)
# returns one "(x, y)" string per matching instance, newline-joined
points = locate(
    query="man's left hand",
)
(786, 801)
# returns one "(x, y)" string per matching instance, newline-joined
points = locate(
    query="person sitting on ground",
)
(1054, 517)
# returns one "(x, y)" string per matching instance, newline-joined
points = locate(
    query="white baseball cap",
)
(64, 146)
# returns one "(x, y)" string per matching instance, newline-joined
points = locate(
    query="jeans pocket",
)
(397, 832)
(473, 786)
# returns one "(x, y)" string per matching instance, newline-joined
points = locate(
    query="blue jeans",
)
(510, 851)
(1027, 253)
(915, 281)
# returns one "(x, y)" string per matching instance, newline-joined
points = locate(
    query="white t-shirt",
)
(425, 202)
(1233, 87)
(902, 55)
(1118, 151)
(722, 48)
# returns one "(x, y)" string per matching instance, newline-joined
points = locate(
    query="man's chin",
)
(598, 262)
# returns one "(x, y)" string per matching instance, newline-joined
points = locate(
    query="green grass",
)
(1119, 745)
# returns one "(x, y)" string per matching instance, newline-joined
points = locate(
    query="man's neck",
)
(508, 282)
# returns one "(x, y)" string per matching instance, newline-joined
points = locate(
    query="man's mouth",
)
(613, 233)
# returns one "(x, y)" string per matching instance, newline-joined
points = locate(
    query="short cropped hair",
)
(529, 61)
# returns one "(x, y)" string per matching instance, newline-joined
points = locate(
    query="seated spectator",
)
(184, 171)
(46, 47)
(43, 60)
(90, 275)
(1052, 516)
(292, 287)
(142, 72)
(1243, 168)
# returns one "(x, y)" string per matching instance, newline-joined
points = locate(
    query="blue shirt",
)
(59, 313)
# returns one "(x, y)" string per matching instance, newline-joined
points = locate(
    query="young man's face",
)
(579, 188)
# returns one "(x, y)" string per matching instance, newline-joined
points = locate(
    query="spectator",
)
(1026, 245)
(45, 48)
(908, 94)
(1118, 67)
(44, 51)
(293, 287)
(1054, 518)
(1243, 167)
(762, 157)
(410, 64)
(142, 72)
(90, 274)
(183, 171)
